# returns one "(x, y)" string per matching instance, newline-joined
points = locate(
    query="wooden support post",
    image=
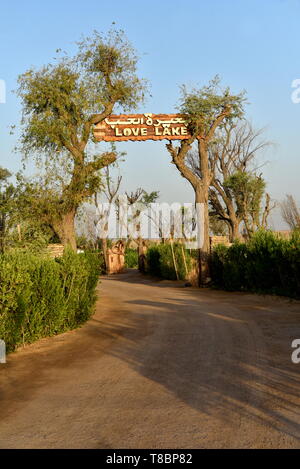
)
(174, 260)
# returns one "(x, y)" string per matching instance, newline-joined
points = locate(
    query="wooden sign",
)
(142, 127)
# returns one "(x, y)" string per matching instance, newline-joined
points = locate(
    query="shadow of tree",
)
(226, 354)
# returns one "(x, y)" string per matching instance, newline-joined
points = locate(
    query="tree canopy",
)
(206, 109)
(61, 104)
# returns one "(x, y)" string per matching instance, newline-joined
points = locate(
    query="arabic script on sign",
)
(142, 127)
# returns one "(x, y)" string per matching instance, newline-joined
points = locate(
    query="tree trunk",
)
(141, 255)
(65, 229)
(204, 251)
(234, 233)
(103, 242)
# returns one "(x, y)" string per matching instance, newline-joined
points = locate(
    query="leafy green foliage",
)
(110, 65)
(265, 263)
(8, 204)
(30, 235)
(61, 104)
(131, 258)
(247, 191)
(217, 226)
(149, 197)
(159, 261)
(22, 220)
(61, 100)
(42, 297)
(204, 106)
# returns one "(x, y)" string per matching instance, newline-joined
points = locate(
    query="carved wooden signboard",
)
(142, 127)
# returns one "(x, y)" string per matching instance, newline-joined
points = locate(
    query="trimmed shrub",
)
(159, 261)
(265, 264)
(131, 258)
(153, 261)
(42, 297)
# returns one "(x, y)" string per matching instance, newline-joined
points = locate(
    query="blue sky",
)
(251, 44)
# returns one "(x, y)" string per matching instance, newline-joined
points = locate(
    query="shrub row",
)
(265, 264)
(42, 297)
(159, 261)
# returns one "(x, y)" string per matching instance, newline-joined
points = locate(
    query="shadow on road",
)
(226, 354)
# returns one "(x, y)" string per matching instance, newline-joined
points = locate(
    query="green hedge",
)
(265, 264)
(131, 258)
(159, 261)
(42, 297)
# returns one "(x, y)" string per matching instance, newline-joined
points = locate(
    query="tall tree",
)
(61, 104)
(7, 204)
(290, 212)
(235, 148)
(248, 190)
(206, 109)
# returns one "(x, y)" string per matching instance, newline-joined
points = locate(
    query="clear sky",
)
(251, 44)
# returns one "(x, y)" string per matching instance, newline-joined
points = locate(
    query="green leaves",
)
(247, 190)
(61, 98)
(40, 297)
(265, 264)
(131, 258)
(203, 106)
(160, 261)
(61, 103)
(53, 108)
(4, 175)
(109, 63)
(8, 205)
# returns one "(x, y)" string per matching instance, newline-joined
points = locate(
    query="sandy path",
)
(159, 366)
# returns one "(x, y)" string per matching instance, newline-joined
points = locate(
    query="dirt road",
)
(159, 366)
